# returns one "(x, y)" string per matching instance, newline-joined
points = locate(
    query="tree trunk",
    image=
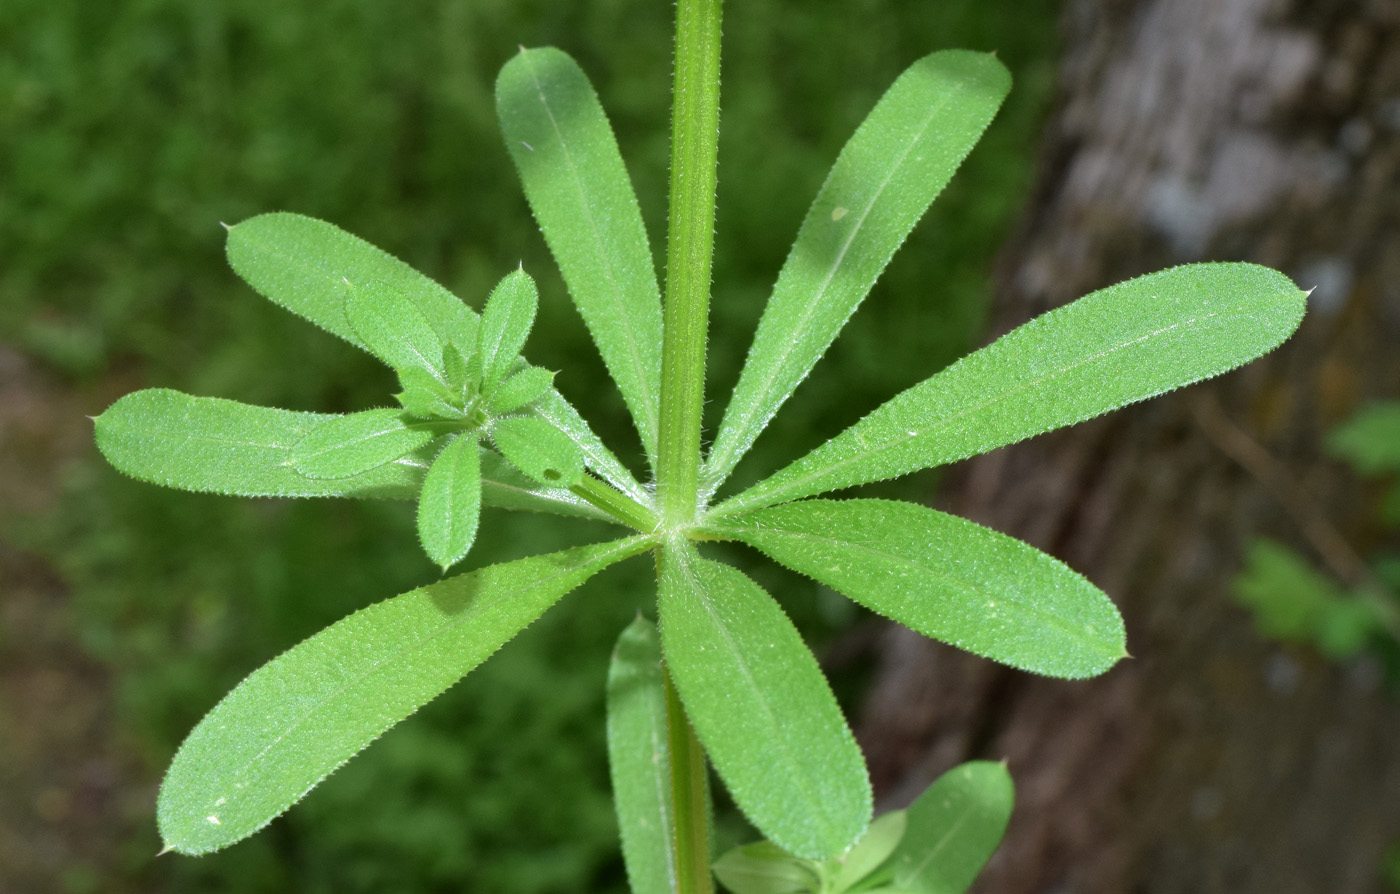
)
(1213, 761)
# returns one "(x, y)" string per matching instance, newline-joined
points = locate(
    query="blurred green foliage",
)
(1292, 601)
(129, 130)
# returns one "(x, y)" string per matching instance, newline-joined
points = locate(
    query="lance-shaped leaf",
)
(639, 758)
(1116, 346)
(953, 829)
(764, 868)
(305, 713)
(947, 578)
(505, 324)
(558, 412)
(521, 389)
(392, 328)
(761, 707)
(356, 443)
(449, 507)
(538, 449)
(873, 849)
(890, 171)
(304, 264)
(221, 446)
(563, 147)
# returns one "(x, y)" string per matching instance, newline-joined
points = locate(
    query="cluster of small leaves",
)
(1292, 601)
(750, 688)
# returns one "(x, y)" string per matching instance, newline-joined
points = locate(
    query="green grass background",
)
(129, 130)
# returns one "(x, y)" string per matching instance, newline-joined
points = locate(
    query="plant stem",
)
(689, 247)
(615, 503)
(689, 797)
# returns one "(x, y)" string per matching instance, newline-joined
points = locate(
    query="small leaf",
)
(873, 849)
(552, 408)
(303, 264)
(350, 445)
(538, 449)
(221, 446)
(894, 166)
(462, 378)
(639, 758)
(559, 137)
(505, 324)
(947, 578)
(762, 868)
(393, 329)
(426, 404)
(520, 390)
(761, 707)
(450, 506)
(1370, 440)
(304, 714)
(954, 827)
(505, 486)
(1122, 344)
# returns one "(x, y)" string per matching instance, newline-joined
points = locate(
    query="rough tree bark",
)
(1265, 130)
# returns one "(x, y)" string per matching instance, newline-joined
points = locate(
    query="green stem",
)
(689, 797)
(689, 247)
(615, 503)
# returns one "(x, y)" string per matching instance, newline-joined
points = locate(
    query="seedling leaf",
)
(521, 389)
(953, 829)
(578, 188)
(947, 578)
(639, 758)
(1116, 346)
(304, 714)
(212, 445)
(392, 328)
(761, 707)
(894, 166)
(449, 507)
(351, 445)
(538, 449)
(505, 324)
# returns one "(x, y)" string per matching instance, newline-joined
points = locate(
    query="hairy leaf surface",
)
(538, 449)
(394, 329)
(764, 868)
(890, 171)
(305, 713)
(761, 707)
(522, 388)
(358, 442)
(305, 265)
(953, 829)
(505, 325)
(578, 188)
(1122, 344)
(947, 578)
(639, 758)
(212, 445)
(449, 508)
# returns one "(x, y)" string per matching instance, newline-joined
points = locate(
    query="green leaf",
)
(426, 404)
(392, 328)
(890, 171)
(538, 449)
(505, 324)
(449, 507)
(350, 445)
(521, 389)
(946, 578)
(873, 849)
(1293, 602)
(212, 445)
(552, 408)
(304, 264)
(1119, 345)
(639, 758)
(762, 868)
(505, 486)
(953, 829)
(563, 147)
(761, 707)
(1370, 440)
(305, 713)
